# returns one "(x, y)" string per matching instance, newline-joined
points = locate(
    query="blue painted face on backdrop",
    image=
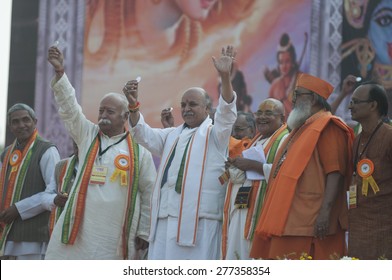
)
(380, 32)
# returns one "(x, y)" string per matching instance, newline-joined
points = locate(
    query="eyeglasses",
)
(266, 113)
(297, 93)
(240, 129)
(357, 101)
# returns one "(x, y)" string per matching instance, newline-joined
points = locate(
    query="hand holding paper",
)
(254, 153)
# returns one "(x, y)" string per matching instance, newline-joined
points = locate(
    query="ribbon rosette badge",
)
(365, 170)
(15, 159)
(121, 162)
(16, 156)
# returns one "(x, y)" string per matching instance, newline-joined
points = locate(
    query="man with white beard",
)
(305, 209)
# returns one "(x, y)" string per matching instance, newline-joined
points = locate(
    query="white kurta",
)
(100, 233)
(163, 241)
(238, 247)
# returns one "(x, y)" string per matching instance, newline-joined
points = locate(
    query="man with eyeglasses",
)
(244, 126)
(243, 131)
(370, 235)
(244, 196)
(305, 209)
(350, 83)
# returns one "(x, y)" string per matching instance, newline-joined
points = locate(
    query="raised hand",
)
(131, 91)
(167, 118)
(224, 64)
(349, 84)
(56, 58)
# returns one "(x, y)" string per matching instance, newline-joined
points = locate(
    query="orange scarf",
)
(16, 180)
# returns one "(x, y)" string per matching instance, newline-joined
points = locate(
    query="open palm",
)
(224, 63)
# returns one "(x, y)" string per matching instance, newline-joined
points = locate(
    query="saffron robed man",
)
(106, 215)
(187, 200)
(27, 168)
(305, 208)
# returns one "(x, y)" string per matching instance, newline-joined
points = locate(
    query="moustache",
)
(104, 121)
(187, 114)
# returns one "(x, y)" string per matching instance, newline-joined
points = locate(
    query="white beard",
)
(301, 112)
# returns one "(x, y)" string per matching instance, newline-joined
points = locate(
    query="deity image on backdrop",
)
(283, 77)
(367, 42)
(169, 43)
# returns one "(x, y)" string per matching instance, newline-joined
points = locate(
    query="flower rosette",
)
(15, 159)
(121, 163)
(365, 169)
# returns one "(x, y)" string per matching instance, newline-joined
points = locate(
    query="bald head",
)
(199, 91)
(269, 116)
(195, 106)
(273, 105)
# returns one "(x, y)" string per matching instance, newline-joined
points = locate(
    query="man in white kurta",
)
(244, 197)
(186, 211)
(101, 231)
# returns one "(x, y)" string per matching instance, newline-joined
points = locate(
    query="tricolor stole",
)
(77, 198)
(257, 192)
(64, 185)
(253, 216)
(15, 181)
(191, 186)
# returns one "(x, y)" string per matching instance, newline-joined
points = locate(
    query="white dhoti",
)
(237, 246)
(165, 245)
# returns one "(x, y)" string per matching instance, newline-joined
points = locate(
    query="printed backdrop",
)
(171, 52)
(367, 42)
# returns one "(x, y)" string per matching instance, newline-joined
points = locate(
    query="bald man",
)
(187, 201)
(107, 213)
(244, 197)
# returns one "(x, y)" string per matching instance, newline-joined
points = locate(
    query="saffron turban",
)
(314, 84)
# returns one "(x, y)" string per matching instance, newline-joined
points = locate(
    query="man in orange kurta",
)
(305, 210)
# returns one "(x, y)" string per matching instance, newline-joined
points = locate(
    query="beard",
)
(301, 112)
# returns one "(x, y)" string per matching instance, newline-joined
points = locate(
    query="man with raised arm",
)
(107, 213)
(187, 200)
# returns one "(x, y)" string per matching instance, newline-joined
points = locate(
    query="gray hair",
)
(322, 102)
(19, 107)
(208, 101)
(250, 119)
(121, 98)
